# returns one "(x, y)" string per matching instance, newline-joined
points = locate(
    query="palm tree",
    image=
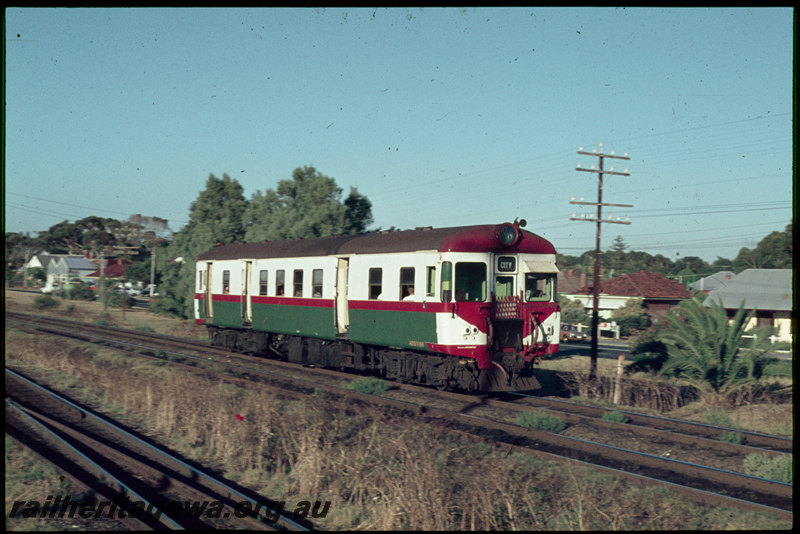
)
(711, 352)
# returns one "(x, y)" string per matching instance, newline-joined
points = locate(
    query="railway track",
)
(144, 484)
(708, 481)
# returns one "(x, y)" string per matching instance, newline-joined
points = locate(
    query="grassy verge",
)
(377, 472)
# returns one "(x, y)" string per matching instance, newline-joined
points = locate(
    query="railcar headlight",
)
(508, 235)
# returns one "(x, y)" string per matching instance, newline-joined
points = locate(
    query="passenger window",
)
(430, 282)
(279, 283)
(447, 278)
(406, 283)
(298, 283)
(375, 283)
(262, 283)
(316, 283)
(226, 282)
(470, 281)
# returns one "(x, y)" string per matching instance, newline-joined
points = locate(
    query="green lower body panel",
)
(399, 329)
(299, 320)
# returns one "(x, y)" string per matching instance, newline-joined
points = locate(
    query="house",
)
(709, 283)
(40, 260)
(569, 283)
(114, 269)
(63, 268)
(767, 291)
(658, 293)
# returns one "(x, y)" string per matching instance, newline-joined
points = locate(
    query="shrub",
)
(541, 421)
(80, 291)
(616, 417)
(369, 385)
(45, 302)
(732, 437)
(777, 468)
(719, 418)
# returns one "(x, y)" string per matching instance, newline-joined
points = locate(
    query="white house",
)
(767, 291)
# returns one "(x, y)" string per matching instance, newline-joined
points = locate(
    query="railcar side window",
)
(262, 282)
(199, 280)
(470, 281)
(316, 283)
(447, 279)
(226, 282)
(539, 287)
(298, 282)
(430, 281)
(280, 285)
(375, 283)
(406, 283)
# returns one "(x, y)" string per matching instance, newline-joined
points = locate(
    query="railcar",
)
(469, 308)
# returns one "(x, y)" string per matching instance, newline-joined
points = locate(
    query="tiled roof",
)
(569, 282)
(644, 284)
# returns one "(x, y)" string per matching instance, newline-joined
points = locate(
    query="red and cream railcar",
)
(470, 307)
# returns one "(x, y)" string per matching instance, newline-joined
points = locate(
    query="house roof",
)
(644, 284)
(712, 282)
(761, 289)
(569, 282)
(79, 263)
(115, 269)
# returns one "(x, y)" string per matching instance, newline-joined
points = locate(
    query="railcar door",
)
(342, 313)
(209, 307)
(247, 305)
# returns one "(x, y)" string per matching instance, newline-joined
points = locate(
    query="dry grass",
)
(378, 472)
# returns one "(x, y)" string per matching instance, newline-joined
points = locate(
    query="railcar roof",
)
(482, 238)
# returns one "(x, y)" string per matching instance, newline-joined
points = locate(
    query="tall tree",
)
(308, 205)
(215, 217)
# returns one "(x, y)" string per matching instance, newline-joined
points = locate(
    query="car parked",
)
(570, 333)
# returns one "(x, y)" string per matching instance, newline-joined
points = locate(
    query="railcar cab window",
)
(298, 282)
(262, 283)
(503, 286)
(226, 282)
(406, 283)
(375, 283)
(470, 281)
(539, 287)
(316, 283)
(280, 285)
(199, 280)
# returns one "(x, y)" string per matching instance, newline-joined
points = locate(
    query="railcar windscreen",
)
(539, 287)
(470, 281)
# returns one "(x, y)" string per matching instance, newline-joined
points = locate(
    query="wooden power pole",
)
(598, 220)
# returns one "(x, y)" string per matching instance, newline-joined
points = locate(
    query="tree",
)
(215, 217)
(774, 251)
(702, 346)
(572, 311)
(631, 316)
(306, 206)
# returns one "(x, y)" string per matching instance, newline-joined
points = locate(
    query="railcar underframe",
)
(417, 367)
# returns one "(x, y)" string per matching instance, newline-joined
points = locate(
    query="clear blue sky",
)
(441, 117)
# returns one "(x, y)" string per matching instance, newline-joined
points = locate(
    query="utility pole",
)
(598, 220)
